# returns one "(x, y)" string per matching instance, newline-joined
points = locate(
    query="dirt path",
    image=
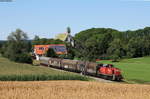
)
(101, 80)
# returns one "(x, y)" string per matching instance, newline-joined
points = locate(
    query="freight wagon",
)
(106, 71)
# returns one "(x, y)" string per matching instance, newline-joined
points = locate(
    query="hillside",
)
(72, 90)
(11, 71)
(134, 70)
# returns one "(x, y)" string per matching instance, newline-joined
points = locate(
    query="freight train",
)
(106, 71)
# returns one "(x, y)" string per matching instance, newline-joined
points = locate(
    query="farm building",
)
(40, 50)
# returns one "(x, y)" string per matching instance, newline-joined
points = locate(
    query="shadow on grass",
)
(41, 77)
(136, 81)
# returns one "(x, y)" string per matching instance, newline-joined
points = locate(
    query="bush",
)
(63, 56)
(115, 58)
(51, 53)
(22, 58)
(17, 47)
(105, 57)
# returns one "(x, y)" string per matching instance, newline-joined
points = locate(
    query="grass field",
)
(11, 71)
(72, 90)
(136, 70)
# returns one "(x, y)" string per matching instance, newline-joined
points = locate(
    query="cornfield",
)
(72, 90)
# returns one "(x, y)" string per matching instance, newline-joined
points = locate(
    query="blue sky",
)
(47, 18)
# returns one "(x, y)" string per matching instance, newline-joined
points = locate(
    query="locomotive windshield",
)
(108, 65)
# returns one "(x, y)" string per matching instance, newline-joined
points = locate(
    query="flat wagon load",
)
(55, 62)
(69, 64)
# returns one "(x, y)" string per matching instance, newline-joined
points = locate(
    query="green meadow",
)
(135, 70)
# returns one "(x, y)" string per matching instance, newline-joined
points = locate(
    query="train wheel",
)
(118, 79)
(108, 77)
(105, 77)
(96, 73)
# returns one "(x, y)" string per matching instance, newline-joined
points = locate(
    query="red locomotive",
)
(108, 71)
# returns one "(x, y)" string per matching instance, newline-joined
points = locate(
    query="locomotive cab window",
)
(110, 65)
(105, 65)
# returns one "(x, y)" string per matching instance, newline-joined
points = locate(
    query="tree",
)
(44, 41)
(116, 49)
(70, 52)
(17, 47)
(93, 43)
(17, 36)
(2, 43)
(68, 30)
(51, 53)
(36, 38)
(135, 48)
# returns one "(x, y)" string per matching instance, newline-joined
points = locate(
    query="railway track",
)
(95, 78)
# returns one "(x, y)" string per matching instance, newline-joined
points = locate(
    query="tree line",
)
(107, 43)
(19, 48)
(90, 44)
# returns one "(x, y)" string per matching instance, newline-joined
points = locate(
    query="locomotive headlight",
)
(117, 70)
